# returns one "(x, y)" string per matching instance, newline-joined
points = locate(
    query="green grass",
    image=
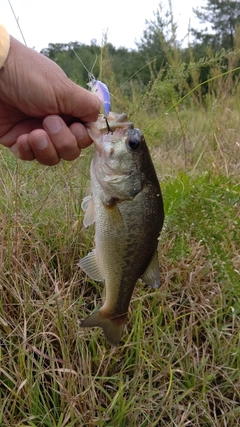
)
(178, 363)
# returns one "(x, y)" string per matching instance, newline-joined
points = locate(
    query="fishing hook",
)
(107, 124)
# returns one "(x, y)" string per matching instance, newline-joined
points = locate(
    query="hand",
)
(41, 109)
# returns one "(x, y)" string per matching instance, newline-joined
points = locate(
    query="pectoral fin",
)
(152, 274)
(88, 207)
(89, 264)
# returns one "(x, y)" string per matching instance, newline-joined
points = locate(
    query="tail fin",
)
(112, 328)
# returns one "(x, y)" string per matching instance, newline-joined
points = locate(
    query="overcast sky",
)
(55, 21)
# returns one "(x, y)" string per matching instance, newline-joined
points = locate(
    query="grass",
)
(178, 363)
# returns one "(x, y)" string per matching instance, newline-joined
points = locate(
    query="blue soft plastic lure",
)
(102, 92)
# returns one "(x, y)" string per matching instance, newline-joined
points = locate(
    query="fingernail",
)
(41, 142)
(14, 150)
(53, 124)
(25, 145)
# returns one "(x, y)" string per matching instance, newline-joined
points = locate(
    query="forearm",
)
(4, 45)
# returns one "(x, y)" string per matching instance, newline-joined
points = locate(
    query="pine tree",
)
(223, 17)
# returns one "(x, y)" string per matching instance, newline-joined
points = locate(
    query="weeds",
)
(179, 360)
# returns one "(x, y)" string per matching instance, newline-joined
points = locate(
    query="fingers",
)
(23, 126)
(62, 139)
(81, 135)
(36, 145)
(54, 142)
(22, 148)
(76, 101)
(68, 141)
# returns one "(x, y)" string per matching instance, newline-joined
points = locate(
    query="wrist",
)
(4, 45)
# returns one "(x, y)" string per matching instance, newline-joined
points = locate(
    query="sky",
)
(55, 21)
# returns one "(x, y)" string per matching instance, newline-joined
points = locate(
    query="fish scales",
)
(127, 207)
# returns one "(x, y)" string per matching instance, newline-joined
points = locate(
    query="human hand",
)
(40, 108)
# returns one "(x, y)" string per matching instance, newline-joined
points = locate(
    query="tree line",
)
(157, 50)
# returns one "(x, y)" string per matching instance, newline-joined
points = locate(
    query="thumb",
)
(73, 100)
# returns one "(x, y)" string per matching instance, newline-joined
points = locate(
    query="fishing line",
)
(16, 19)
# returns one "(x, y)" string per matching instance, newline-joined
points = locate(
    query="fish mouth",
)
(108, 125)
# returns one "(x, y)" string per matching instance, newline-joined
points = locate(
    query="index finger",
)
(79, 102)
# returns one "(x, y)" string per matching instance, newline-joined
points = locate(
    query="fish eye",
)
(134, 143)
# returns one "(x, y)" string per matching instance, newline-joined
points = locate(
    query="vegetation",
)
(179, 360)
(223, 16)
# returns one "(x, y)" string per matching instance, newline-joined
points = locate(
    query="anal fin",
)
(152, 274)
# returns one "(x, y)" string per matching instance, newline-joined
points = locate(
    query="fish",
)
(127, 207)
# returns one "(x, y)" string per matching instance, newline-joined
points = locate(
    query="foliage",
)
(64, 56)
(158, 61)
(122, 61)
(223, 17)
(159, 37)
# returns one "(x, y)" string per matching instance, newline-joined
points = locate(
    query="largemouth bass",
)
(127, 207)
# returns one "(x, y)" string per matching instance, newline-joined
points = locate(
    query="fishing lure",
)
(101, 90)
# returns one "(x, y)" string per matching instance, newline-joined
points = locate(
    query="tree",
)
(223, 17)
(158, 40)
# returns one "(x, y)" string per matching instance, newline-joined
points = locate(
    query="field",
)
(179, 360)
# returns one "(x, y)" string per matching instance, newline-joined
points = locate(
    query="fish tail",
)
(112, 327)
